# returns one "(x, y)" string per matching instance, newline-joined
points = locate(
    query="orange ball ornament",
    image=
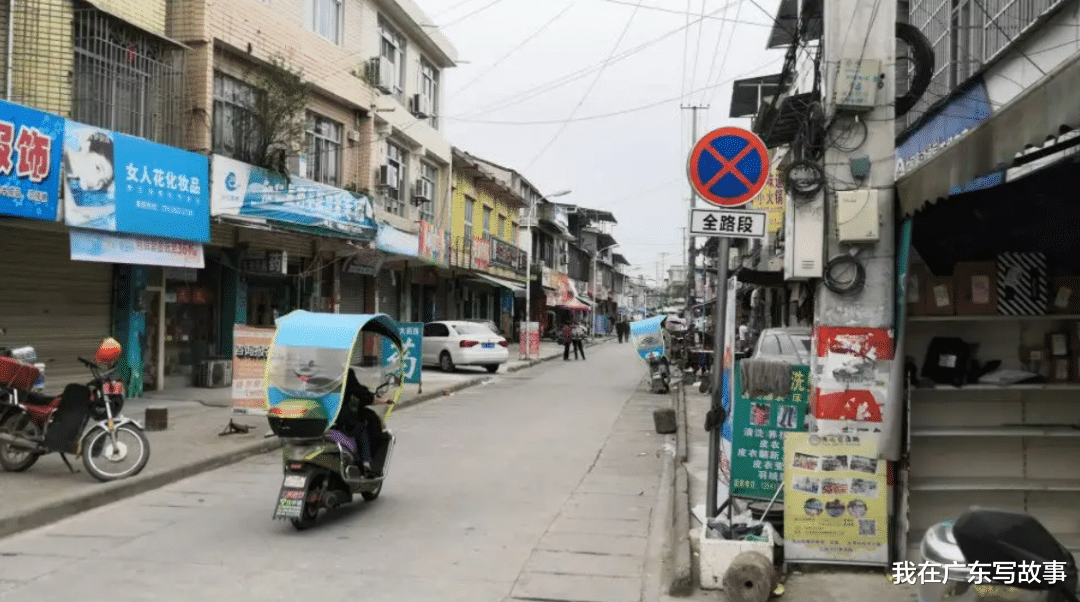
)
(107, 353)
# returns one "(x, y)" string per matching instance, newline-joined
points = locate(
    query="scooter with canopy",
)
(650, 340)
(333, 426)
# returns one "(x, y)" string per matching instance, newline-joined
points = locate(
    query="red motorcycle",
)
(83, 420)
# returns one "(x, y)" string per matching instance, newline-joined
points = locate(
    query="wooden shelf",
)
(986, 387)
(993, 484)
(1047, 317)
(996, 431)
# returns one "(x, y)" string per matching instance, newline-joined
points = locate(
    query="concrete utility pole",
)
(853, 30)
(691, 263)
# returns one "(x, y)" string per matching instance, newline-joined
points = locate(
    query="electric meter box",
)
(857, 84)
(857, 216)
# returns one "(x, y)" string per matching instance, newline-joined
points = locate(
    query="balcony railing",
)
(485, 254)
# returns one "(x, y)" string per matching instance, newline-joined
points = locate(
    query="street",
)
(539, 485)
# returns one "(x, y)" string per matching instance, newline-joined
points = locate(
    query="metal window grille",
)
(124, 79)
(323, 142)
(236, 126)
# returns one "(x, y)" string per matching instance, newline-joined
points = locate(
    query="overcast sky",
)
(634, 163)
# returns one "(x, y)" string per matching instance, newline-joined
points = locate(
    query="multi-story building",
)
(592, 265)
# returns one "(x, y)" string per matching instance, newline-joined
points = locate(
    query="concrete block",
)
(157, 419)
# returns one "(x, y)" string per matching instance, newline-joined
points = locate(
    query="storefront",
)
(396, 296)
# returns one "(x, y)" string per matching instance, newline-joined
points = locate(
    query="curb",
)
(108, 493)
(118, 490)
(681, 582)
(659, 567)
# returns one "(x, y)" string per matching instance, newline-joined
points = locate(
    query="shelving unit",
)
(993, 484)
(997, 431)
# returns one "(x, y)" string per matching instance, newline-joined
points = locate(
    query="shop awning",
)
(1039, 113)
(514, 286)
(575, 304)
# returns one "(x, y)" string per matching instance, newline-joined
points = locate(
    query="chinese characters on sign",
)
(250, 348)
(412, 341)
(771, 201)
(835, 510)
(727, 222)
(980, 573)
(113, 247)
(29, 160)
(267, 262)
(758, 436)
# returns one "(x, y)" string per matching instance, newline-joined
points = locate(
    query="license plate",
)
(294, 481)
(488, 345)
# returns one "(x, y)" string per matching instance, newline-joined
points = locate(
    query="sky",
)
(606, 80)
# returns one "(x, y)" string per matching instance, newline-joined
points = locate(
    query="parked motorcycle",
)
(650, 340)
(84, 420)
(335, 444)
(26, 355)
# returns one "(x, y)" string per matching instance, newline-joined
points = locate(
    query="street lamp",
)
(595, 286)
(528, 270)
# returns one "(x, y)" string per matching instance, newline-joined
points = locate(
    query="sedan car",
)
(449, 344)
(791, 344)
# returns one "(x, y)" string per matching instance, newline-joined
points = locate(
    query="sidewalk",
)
(816, 584)
(191, 444)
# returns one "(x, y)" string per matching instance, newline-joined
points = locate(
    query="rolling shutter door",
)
(388, 294)
(352, 294)
(296, 245)
(59, 306)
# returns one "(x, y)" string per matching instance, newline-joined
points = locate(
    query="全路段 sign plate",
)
(731, 223)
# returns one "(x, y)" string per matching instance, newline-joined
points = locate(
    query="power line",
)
(727, 51)
(687, 12)
(587, 92)
(479, 10)
(697, 52)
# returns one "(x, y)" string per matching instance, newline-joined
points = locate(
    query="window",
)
(323, 143)
(436, 330)
(769, 346)
(393, 50)
(470, 203)
(487, 222)
(236, 126)
(427, 209)
(324, 18)
(395, 166)
(501, 232)
(429, 88)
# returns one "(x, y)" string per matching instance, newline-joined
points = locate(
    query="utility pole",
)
(691, 263)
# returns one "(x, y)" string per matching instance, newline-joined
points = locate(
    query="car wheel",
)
(492, 368)
(446, 362)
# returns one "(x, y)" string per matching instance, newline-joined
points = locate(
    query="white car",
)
(456, 343)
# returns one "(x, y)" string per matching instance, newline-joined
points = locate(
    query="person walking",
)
(578, 338)
(566, 338)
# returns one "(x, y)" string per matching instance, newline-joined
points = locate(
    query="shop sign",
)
(433, 244)
(835, 510)
(181, 274)
(111, 247)
(30, 146)
(505, 254)
(547, 278)
(397, 242)
(412, 339)
(771, 201)
(481, 254)
(951, 122)
(853, 372)
(265, 262)
(251, 346)
(365, 262)
(120, 183)
(759, 424)
(241, 190)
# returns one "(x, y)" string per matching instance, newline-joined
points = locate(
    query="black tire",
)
(922, 53)
(13, 459)
(100, 437)
(371, 496)
(310, 513)
(492, 368)
(446, 362)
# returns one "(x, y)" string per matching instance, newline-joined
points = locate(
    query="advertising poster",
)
(251, 346)
(434, 244)
(771, 200)
(241, 190)
(853, 370)
(30, 148)
(835, 508)
(757, 467)
(120, 183)
(529, 345)
(728, 366)
(110, 247)
(412, 338)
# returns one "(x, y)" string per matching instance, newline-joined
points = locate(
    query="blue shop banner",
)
(241, 190)
(30, 146)
(951, 122)
(397, 242)
(412, 338)
(120, 183)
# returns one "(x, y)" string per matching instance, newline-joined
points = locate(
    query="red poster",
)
(853, 405)
(862, 342)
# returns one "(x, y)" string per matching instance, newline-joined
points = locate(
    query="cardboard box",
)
(1064, 295)
(976, 288)
(916, 288)
(1061, 369)
(940, 296)
(1033, 359)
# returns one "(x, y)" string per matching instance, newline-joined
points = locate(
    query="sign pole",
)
(719, 332)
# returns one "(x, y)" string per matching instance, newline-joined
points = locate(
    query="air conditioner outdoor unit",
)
(380, 73)
(215, 373)
(420, 106)
(422, 192)
(354, 135)
(388, 176)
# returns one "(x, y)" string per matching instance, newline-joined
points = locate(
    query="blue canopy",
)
(330, 331)
(648, 336)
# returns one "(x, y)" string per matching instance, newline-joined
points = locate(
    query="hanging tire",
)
(12, 458)
(101, 452)
(922, 54)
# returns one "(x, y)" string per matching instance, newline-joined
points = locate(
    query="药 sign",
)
(729, 223)
(412, 339)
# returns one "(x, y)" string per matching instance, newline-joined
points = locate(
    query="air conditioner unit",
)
(215, 373)
(380, 72)
(388, 177)
(421, 107)
(354, 135)
(422, 192)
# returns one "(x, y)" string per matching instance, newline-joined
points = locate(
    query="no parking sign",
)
(728, 166)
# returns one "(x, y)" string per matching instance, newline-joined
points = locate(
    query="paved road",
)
(537, 486)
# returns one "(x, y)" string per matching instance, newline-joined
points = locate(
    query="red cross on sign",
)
(728, 166)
